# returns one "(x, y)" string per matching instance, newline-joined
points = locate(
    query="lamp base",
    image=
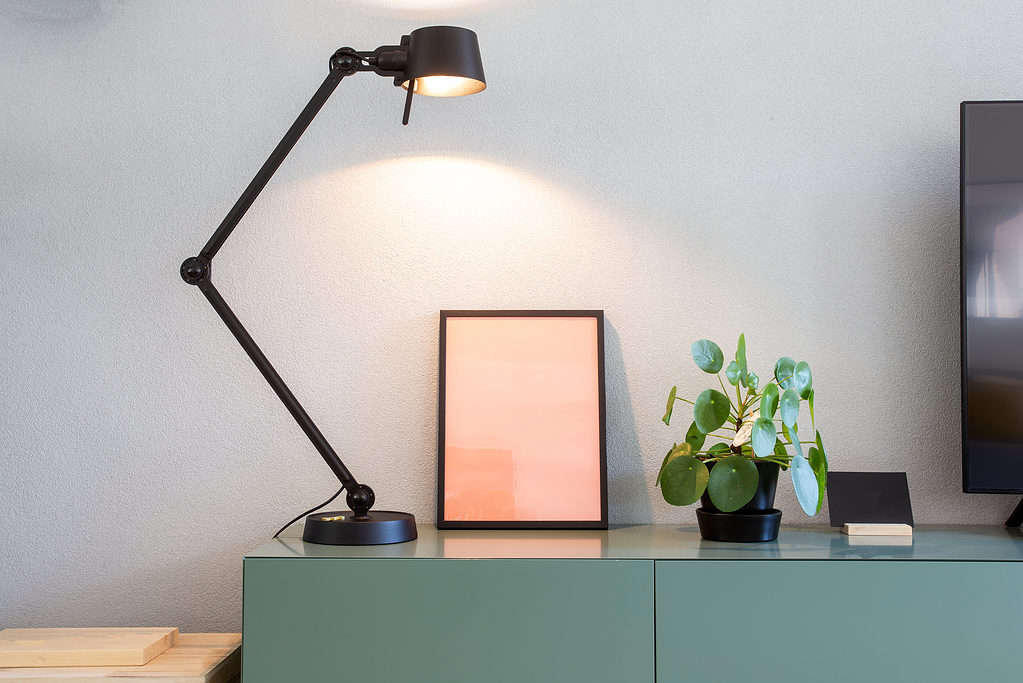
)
(378, 527)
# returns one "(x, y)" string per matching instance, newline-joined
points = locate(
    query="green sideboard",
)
(636, 604)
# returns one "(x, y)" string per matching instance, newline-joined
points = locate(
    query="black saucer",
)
(735, 527)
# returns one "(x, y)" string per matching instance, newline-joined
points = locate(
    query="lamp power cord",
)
(310, 511)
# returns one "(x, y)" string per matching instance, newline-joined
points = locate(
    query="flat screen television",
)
(991, 273)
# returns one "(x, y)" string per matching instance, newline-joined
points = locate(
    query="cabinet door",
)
(838, 621)
(447, 621)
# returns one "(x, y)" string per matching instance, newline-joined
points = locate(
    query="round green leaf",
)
(673, 453)
(711, 410)
(789, 405)
(792, 434)
(733, 483)
(805, 483)
(764, 437)
(802, 379)
(783, 371)
(719, 449)
(708, 356)
(733, 373)
(695, 438)
(684, 480)
(769, 400)
(752, 381)
(671, 405)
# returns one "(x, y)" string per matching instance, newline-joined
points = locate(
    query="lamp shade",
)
(444, 61)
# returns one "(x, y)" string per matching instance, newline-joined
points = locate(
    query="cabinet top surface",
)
(670, 542)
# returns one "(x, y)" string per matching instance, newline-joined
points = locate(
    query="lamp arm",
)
(197, 270)
(277, 384)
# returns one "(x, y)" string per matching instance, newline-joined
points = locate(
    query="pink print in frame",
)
(522, 420)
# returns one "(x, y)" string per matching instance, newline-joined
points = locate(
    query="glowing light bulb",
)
(446, 86)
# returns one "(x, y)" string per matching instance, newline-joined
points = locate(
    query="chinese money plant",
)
(739, 426)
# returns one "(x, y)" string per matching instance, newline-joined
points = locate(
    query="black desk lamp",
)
(437, 60)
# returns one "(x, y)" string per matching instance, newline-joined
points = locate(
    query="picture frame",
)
(869, 498)
(522, 423)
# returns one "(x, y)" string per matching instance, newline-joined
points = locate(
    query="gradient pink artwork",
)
(522, 419)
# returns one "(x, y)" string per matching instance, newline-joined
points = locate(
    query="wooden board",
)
(195, 658)
(83, 646)
(880, 541)
(877, 529)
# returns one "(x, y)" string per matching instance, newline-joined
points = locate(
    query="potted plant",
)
(754, 436)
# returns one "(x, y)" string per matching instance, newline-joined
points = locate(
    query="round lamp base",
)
(378, 527)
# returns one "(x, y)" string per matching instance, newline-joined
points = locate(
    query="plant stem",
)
(733, 412)
(679, 398)
(722, 383)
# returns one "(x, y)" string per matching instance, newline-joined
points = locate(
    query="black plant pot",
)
(755, 522)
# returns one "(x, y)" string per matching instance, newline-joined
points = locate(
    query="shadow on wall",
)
(54, 11)
(627, 489)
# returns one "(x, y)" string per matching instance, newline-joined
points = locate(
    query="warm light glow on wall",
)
(448, 231)
(430, 199)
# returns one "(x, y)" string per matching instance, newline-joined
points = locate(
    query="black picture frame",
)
(869, 498)
(442, 523)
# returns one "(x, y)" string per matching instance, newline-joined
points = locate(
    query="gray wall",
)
(696, 169)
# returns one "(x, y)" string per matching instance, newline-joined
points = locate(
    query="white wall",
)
(696, 169)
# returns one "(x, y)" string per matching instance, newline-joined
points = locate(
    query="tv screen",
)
(991, 271)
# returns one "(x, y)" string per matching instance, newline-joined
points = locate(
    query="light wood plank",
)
(877, 530)
(29, 647)
(195, 658)
(880, 541)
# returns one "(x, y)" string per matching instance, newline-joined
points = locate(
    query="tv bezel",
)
(962, 291)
